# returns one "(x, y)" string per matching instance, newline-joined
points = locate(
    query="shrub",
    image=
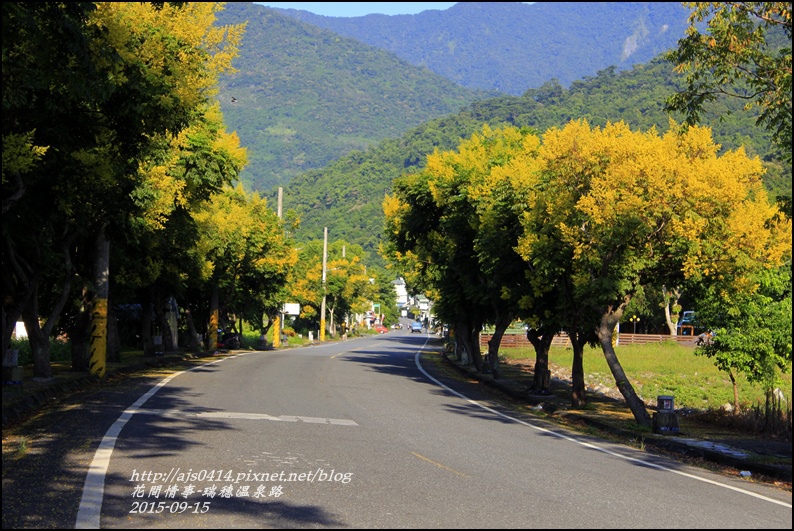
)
(60, 350)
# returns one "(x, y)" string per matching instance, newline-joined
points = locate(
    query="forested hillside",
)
(304, 96)
(347, 195)
(513, 46)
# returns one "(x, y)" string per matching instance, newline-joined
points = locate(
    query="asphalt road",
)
(359, 434)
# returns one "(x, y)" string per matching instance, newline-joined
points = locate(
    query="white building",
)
(402, 295)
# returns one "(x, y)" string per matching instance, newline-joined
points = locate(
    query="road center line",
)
(439, 465)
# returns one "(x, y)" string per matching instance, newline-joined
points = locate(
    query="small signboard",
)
(292, 308)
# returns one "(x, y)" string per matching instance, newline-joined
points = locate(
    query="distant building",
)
(400, 291)
(424, 304)
(401, 294)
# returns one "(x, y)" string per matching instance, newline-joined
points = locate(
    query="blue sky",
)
(359, 9)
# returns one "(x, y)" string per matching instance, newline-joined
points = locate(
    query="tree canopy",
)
(589, 215)
(745, 53)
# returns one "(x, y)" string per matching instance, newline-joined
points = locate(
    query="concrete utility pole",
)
(280, 200)
(322, 309)
(99, 318)
(277, 321)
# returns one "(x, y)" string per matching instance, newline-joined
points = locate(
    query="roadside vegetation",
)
(665, 368)
(563, 228)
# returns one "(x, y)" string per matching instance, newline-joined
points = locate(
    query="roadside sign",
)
(292, 308)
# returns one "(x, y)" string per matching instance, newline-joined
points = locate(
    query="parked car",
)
(379, 328)
(686, 326)
(416, 326)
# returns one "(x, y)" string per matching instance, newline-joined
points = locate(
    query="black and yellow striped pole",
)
(99, 316)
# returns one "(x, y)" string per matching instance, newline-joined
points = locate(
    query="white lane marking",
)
(94, 487)
(89, 512)
(179, 413)
(590, 445)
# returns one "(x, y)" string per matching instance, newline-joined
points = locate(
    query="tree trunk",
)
(38, 339)
(469, 337)
(162, 309)
(214, 316)
(38, 334)
(271, 319)
(609, 320)
(22, 288)
(146, 324)
(541, 341)
(10, 318)
(114, 340)
(80, 333)
(502, 322)
(331, 327)
(578, 391)
(193, 342)
(735, 392)
(671, 316)
(473, 342)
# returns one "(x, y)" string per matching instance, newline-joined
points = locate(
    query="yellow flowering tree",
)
(620, 209)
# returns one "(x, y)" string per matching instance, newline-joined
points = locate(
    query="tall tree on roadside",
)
(499, 189)
(193, 168)
(98, 84)
(430, 229)
(173, 55)
(626, 209)
(48, 89)
(244, 247)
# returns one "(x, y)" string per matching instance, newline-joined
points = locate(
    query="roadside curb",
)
(658, 442)
(58, 390)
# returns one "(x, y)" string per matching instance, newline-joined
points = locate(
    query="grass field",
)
(662, 369)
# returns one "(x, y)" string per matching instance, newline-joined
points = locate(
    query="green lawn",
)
(662, 369)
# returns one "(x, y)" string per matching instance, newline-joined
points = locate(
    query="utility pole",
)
(322, 309)
(99, 317)
(279, 319)
(280, 200)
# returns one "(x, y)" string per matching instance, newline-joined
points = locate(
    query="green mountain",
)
(346, 196)
(304, 96)
(334, 120)
(513, 46)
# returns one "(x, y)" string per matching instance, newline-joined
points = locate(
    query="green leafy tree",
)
(248, 256)
(347, 189)
(348, 289)
(464, 252)
(744, 53)
(753, 329)
(100, 86)
(431, 234)
(351, 285)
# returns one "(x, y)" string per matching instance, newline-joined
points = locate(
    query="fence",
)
(562, 340)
